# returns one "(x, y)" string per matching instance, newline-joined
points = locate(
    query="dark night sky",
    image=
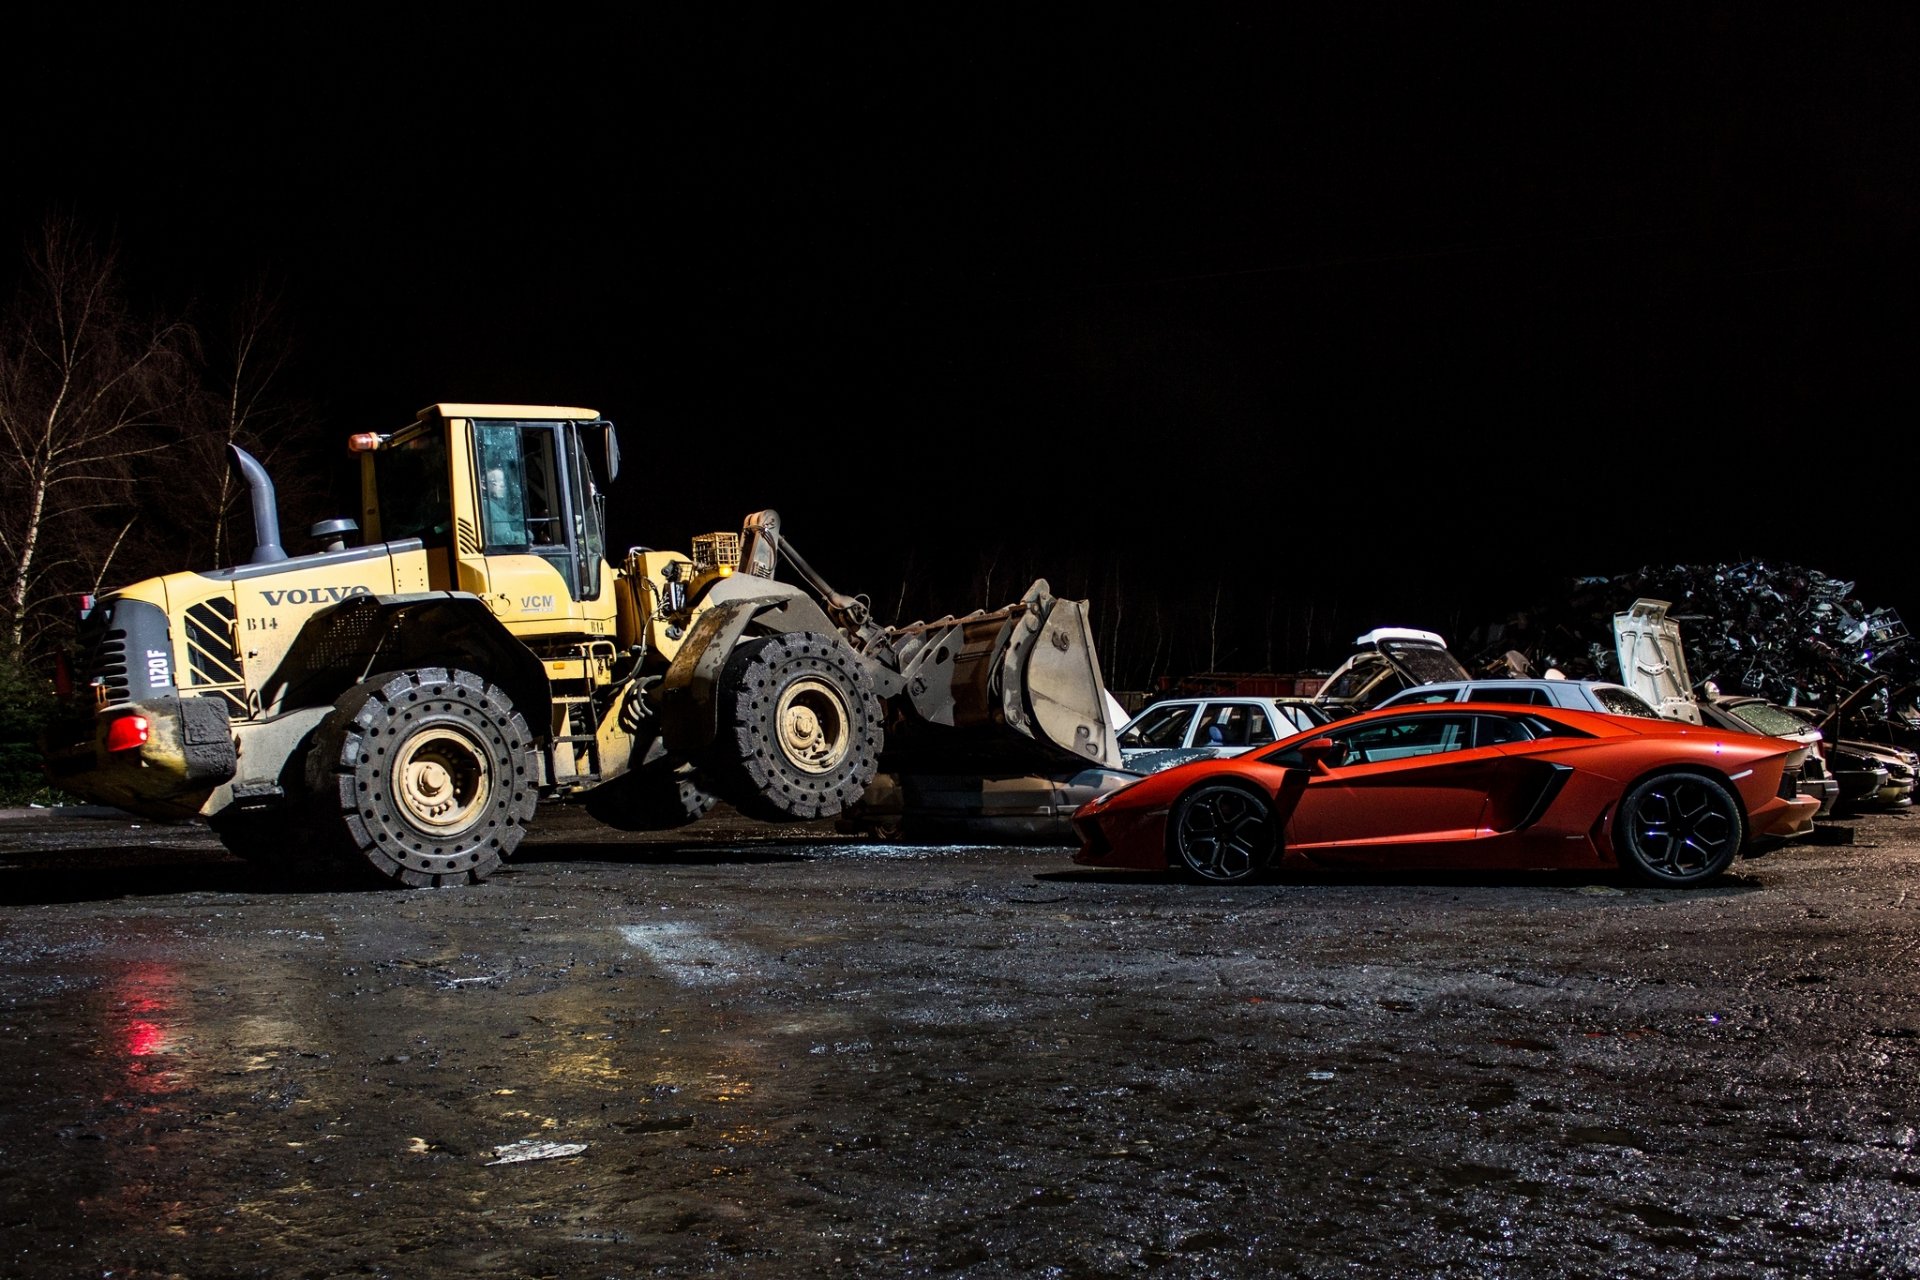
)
(1423, 301)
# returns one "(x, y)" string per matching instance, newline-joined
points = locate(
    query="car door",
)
(1412, 791)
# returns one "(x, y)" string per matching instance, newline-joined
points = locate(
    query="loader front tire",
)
(424, 777)
(651, 800)
(800, 728)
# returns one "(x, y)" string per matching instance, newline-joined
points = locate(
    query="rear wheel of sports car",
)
(1679, 829)
(1220, 834)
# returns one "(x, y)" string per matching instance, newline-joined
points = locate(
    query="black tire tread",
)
(351, 819)
(744, 763)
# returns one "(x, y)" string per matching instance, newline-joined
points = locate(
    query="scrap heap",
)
(1788, 633)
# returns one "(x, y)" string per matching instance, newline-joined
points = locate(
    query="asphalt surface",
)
(752, 1051)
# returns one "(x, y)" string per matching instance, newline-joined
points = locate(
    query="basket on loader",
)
(404, 705)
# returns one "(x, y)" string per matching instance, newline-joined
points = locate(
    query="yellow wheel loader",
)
(406, 703)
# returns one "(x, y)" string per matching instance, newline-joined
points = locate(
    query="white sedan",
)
(1175, 730)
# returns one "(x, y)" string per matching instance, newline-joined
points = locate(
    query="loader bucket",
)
(1016, 683)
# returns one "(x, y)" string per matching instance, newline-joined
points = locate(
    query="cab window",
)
(411, 478)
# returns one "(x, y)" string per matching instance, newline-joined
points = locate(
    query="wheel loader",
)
(405, 696)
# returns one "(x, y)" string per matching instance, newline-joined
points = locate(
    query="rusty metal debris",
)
(1782, 631)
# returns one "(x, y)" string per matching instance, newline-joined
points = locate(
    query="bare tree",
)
(84, 385)
(241, 400)
(906, 575)
(989, 559)
(1213, 629)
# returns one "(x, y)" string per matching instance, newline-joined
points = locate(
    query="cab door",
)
(541, 552)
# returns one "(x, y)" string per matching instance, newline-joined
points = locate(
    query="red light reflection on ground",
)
(144, 1031)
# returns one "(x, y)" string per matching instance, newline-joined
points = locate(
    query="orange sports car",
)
(1460, 786)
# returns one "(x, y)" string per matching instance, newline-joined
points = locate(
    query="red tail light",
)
(127, 733)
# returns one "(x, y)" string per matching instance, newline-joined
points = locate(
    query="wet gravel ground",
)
(750, 1051)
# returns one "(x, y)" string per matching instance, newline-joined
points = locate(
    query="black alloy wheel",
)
(1679, 828)
(1222, 834)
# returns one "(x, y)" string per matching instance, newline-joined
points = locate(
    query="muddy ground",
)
(749, 1051)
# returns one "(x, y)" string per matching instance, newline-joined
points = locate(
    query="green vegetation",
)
(26, 702)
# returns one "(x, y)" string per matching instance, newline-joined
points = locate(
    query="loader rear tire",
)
(800, 728)
(651, 800)
(425, 778)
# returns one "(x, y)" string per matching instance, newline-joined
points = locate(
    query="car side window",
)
(1161, 727)
(1233, 720)
(1260, 730)
(1403, 739)
(1491, 731)
(1535, 696)
(1541, 727)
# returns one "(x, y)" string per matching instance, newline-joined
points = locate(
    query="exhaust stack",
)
(266, 511)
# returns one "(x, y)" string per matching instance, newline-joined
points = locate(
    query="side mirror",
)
(611, 443)
(1322, 753)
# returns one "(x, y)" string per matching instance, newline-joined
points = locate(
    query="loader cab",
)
(508, 503)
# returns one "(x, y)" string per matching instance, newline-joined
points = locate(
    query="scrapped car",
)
(1174, 730)
(1653, 663)
(1464, 786)
(977, 808)
(1902, 767)
(1838, 779)
(1584, 695)
(1389, 659)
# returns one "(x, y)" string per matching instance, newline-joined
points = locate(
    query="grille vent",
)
(210, 652)
(107, 671)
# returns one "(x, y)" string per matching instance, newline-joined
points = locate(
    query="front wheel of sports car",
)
(1219, 834)
(1679, 829)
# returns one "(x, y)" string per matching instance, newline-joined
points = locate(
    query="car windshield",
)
(1625, 702)
(1771, 718)
(1425, 663)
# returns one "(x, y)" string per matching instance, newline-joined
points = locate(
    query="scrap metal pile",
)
(1788, 633)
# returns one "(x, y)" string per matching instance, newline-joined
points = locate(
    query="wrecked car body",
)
(1389, 659)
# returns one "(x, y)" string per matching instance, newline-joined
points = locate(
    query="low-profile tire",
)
(1222, 834)
(800, 728)
(1679, 828)
(423, 777)
(655, 799)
